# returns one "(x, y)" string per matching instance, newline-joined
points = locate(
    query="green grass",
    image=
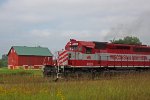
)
(32, 87)
(6, 71)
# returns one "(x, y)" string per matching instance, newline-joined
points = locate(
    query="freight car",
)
(95, 57)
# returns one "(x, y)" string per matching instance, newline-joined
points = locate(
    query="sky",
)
(52, 23)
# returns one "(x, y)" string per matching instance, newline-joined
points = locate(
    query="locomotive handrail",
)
(144, 62)
(133, 63)
(100, 61)
(127, 62)
(114, 62)
(107, 60)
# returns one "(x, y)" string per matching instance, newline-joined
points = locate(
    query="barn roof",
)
(34, 51)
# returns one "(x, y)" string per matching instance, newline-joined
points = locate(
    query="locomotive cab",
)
(80, 53)
(73, 45)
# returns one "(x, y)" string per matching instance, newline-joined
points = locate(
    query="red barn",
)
(29, 57)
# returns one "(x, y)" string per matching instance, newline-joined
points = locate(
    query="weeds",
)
(32, 87)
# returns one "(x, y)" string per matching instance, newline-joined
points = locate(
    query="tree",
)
(128, 40)
(4, 57)
(3, 61)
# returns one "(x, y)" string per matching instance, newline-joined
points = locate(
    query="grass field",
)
(6, 71)
(34, 87)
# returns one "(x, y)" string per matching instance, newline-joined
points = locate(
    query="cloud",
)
(40, 33)
(52, 23)
(139, 27)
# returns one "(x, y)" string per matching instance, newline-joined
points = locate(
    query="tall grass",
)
(124, 87)
(6, 71)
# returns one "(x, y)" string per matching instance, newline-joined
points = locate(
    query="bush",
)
(3, 63)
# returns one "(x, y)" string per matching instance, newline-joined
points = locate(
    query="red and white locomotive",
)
(97, 56)
(103, 54)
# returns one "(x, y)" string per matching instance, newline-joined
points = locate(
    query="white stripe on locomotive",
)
(62, 58)
(109, 56)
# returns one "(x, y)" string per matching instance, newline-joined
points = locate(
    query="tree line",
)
(131, 40)
(3, 61)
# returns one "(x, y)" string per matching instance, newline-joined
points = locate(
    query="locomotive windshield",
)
(74, 47)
